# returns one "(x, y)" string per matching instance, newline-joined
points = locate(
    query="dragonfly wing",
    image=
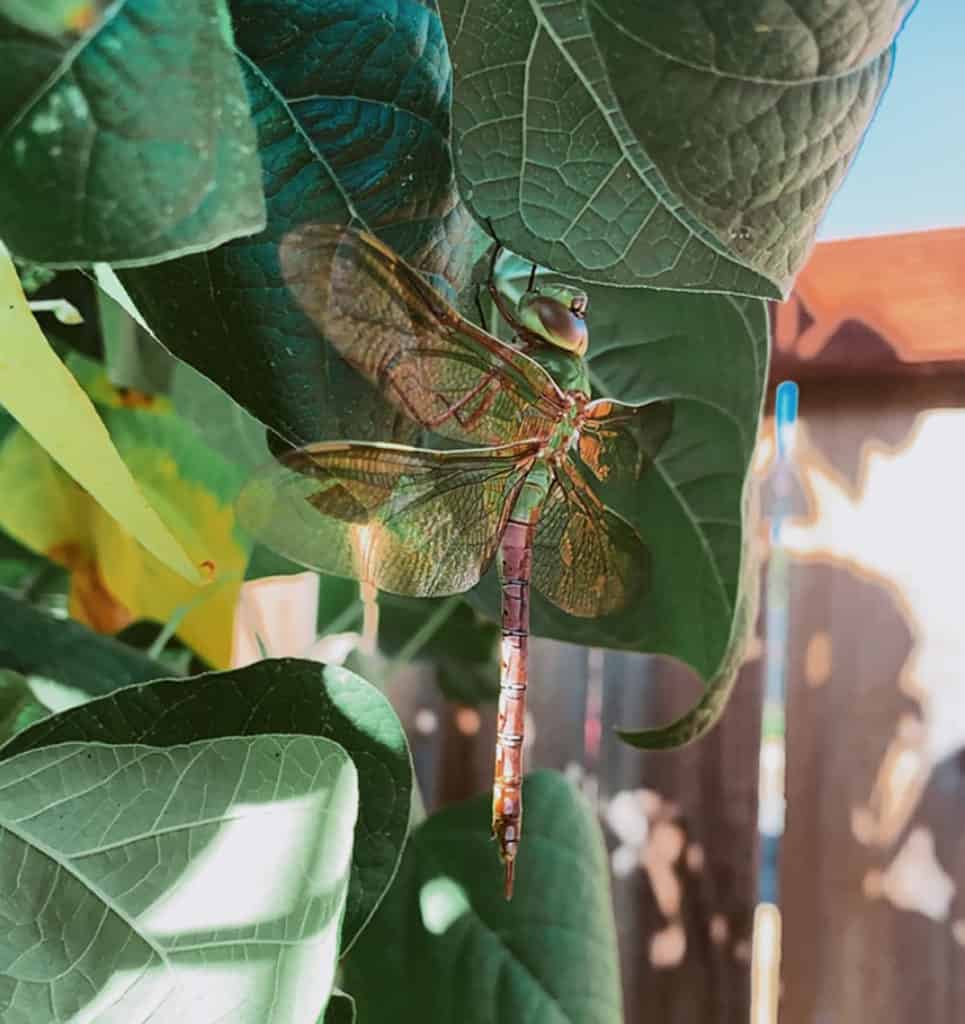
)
(620, 442)
(587, 560)
(407, 520)
(439, 369)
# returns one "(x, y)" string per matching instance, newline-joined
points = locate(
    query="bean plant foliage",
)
(200, 818)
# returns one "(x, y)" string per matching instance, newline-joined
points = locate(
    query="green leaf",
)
(18, 705)
(544, 153)
(470, 683)
(706, 712)
(37, 644)
(708, 355)
(133, 359)
(75, 436)
(130, 144)
(462, 633)
(279, 696)
(351, 106)
(445, 945)
(463, 646)
(340, 1009)
(123, 874)
(750, 112)
(21, 568)
(688, 146)
(234, 434)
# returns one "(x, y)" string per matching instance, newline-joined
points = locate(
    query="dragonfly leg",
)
(482, 315)
(496, 251)
(524, 336)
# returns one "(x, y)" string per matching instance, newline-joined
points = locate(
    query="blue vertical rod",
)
(771, 806)
(766, 956)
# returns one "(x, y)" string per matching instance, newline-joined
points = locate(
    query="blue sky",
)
(910, 172)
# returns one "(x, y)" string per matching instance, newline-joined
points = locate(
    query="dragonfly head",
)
(556, 313)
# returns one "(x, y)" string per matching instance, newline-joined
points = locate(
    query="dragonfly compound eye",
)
(556, 314)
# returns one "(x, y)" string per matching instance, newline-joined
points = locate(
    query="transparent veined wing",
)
(620, 442)
(407, 520)
(587, 560)
(439, 369)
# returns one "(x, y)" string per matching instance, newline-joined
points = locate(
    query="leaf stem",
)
(424, 633)
(345, 619)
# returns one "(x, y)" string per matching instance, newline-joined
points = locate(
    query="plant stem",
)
(425, 632)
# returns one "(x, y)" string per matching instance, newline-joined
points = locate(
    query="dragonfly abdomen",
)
(516, 558)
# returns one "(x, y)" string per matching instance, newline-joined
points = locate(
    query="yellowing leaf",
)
(39, 391)
(113, 578)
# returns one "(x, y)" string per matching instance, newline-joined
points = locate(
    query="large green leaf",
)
(129, 141)
(351, 106)
(708, 355)
(187, 885)
(446, 946)
(281, 696)
(705, 713)
(690, 145)
(37, 644)
(751, 112)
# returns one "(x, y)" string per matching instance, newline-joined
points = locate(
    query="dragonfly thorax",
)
(567, 430)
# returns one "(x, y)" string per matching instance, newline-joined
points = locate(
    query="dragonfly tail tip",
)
(510, 872)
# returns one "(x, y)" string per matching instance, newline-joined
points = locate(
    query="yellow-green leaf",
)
(40, 392)
(114, 580)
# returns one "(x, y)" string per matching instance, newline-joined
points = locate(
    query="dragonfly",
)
(522, 440)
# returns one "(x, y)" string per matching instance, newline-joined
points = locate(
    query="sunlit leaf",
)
(34, 383)
(123, 879)
(445, 945)
(126, 138)
(114, 580)
(286, 696)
